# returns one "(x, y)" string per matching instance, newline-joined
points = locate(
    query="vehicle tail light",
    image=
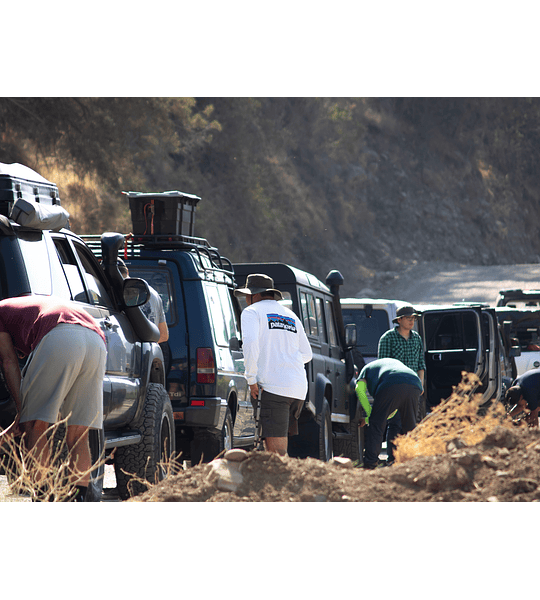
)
(206, 366)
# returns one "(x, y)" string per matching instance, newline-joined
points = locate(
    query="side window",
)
(369, 329)
(321, 320)
(305, 311)
(160, 280)
(71, 270)
(231, 324)
(308, 314)
(38, 268)
(93, 277)
(452, 331)
(216, 315)
(331, 324)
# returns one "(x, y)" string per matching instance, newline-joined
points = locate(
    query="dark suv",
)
(328, 424)
(138, 420)
(203, 355)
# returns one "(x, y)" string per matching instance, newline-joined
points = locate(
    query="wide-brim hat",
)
(405, 311)
(258, 283)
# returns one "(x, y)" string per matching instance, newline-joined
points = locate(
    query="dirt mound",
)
(504, 467)
(461, 452)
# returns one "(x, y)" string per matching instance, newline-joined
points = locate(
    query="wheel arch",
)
(323, 391)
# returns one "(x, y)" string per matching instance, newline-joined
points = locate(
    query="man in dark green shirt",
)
(393, 386)
(404, 344)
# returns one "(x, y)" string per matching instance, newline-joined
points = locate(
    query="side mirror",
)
(515, 351)
(350, 335)
(135, 292)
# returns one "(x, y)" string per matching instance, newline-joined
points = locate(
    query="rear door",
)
(453, 342)
(230, 358)
(164, 275)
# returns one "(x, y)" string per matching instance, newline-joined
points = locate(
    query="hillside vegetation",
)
(365, 185)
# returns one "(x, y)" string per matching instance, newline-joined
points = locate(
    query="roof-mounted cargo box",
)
(18, 181)
(162, 213)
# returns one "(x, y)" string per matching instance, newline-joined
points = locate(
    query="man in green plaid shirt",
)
(404, 344)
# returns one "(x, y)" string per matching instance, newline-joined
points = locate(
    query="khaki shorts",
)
(64, 376)
(279, 415)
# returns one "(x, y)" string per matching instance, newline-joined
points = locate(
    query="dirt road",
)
(443, 283)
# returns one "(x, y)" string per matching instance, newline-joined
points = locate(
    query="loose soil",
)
(460, 453)
(505, 467)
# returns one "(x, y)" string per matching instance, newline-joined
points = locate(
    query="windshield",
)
(368, 329)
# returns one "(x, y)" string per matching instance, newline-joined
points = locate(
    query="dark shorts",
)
(279, 415)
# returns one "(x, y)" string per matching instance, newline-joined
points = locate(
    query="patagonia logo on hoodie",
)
(280, 322)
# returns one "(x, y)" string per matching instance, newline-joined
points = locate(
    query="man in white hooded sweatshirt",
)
(275, 351)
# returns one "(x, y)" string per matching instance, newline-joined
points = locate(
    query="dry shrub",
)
(28, 477)
(166, 468)
(456, 417)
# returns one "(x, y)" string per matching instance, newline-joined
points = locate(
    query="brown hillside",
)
(364, 185)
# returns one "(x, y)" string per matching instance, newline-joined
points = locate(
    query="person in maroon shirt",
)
(62, 378)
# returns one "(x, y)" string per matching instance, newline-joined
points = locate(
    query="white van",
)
(372, 317)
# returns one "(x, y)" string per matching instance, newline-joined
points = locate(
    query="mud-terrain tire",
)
(10, 466)
(226, 434)
(145, 460)
(96, 441)
(351, 447)
(207, 445)
(324, 425)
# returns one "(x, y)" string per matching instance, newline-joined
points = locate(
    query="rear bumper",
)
(205, 415)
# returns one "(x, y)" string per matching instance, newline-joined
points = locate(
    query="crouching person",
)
(525, 395)
(63, 376)
(393, 386)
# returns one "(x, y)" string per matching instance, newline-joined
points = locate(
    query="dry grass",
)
(166, 469)
(28, 477)
(458, 416)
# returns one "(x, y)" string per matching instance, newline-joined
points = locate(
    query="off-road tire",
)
(351, 447)
(145, 460)
(96, 441)
(9, 466)
(207, 445)
(324, 425)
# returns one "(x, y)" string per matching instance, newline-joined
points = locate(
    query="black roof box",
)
(18, 181)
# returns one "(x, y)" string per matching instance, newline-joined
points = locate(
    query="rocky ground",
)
(459, 453)
(504, 467)
(455, 455)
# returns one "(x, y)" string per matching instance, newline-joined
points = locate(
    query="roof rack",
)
(200, 246)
